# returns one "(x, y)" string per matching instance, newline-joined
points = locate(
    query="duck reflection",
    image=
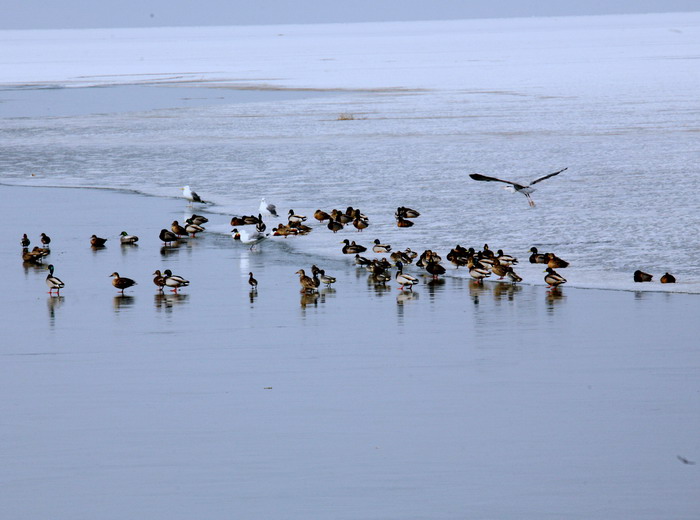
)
(505, 291)
(123, 302)
(168, 300)
(477, 290)
(309, 299)
(53, 302)
(554, 297)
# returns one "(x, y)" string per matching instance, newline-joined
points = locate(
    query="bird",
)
(552, 278)
(505, 259)
(685, 461)
(435, 269)
(404, 279)
(176, 228)
(537, 258)
(326, 279)
(360, 224)
(174, 281)
(251, 238)
(167, 237)
(293, 218)
(269, 210)
(378, 247)
(334, 225)
(193, 228)
(352, 248)
(198, 219)
(35, 256)
(641, 276)
(260, 227)
(96, 241)
(513, 276)
(53, 282)
(405, 212)
(307, 283)
(499, 269)
(121, 283)
(45, 239)
(191, 195)
(402, 222)
(321, 215)
(25, 241)
(362, 261)
(159, 280)
(518, 188)
(126, 238)
(252, 281)
(478, 273)
(555, 262)
(668, 278)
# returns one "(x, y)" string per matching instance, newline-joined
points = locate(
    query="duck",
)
(668, 278)
(326, 279)
(159, 280)
(555, 262)
(121, 283)
(45, 239)
(176, 228)
(193, 228)
(352, 248)
(341, 217)
(378, 247)
(405, 212)
(266, 209)
(25, 241)
(96, 241)
(434, 268)
(334, 225)
(198, 219)
(552, 278)
(478, 272)
(401, 222)
(237, 221)
(167, 237)
(35, 256)
(174, 281)
(641, 276)
(499, 269)
(53, 282)
(126, 238)
(252, 281)
(362, 261)
(306, 282)
(505, 259)
(537, 258)
(260, 227)
(513, 275)
(292, 217)
(321, 216)
(404, 280)
(190, 195)
(360, 224)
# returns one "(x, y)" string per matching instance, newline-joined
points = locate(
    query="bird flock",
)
(480, 264)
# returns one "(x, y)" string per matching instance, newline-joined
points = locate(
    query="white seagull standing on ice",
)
(514, 186)
(191, 195)
(267, 209)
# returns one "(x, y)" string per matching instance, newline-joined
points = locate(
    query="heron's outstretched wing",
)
(479, 177)
(547, 176)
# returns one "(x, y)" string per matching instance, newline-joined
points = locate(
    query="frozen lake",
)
(459, 401)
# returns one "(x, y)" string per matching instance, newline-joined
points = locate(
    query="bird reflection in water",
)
(170, 249)
(435, 285)
(123, 302)
(505, 291)
(553, 297)
(477, 290)
(53, 302)
(310, 299)
(169, 300)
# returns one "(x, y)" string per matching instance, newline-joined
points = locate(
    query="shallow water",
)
(457, 400)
